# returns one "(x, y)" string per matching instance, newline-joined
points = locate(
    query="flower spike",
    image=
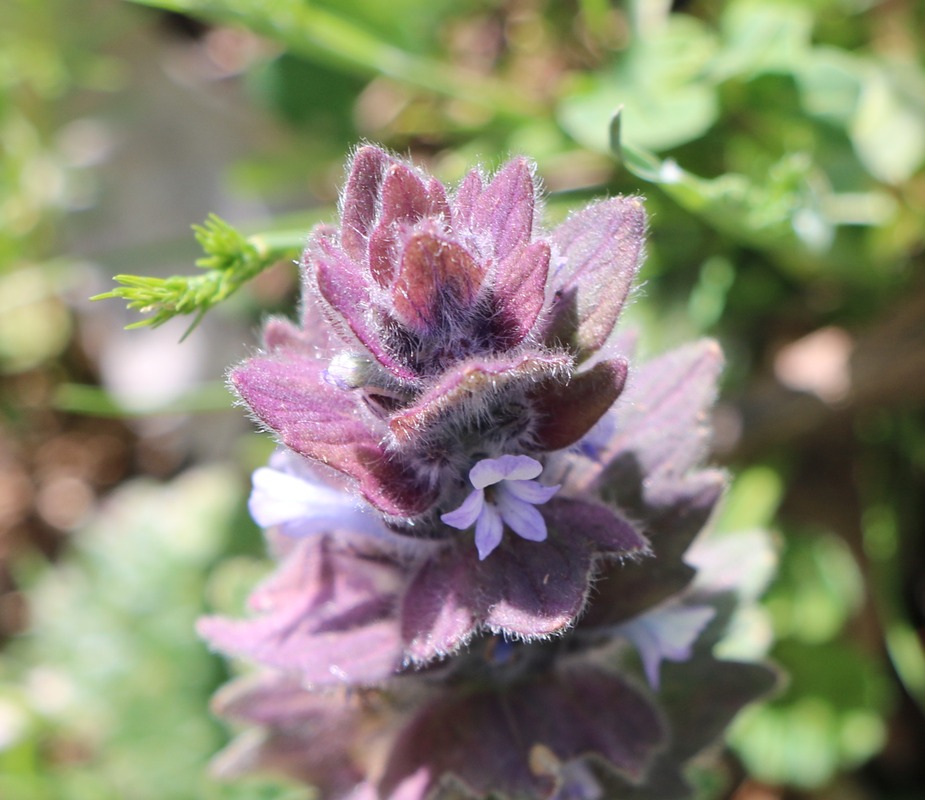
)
(456, 368)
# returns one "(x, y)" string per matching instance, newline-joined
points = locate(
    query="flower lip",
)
(489, 471)
(512, 501)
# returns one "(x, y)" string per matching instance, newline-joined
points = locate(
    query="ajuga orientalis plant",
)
(480, 511)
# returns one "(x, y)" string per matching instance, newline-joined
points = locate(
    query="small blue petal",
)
(531, 491)
(667, 633)
(301, 507)
(489, 471)
(521, 517)
(466, 515)
(488, 531)
(597, 441)
(511, 502)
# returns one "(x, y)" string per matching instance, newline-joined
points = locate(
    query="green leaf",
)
(659, 82)
(828, 720)
(819, 588)
(760, 37)
(888, 129)
(784, 208)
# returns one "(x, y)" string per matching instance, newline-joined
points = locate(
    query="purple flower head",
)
(467, 378)
(461, 330)
(464, 346)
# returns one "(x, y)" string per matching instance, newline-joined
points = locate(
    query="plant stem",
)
(319, 34)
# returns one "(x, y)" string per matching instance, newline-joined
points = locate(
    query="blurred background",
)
(780, 146)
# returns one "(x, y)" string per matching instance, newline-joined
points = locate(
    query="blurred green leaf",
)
(830, 84)
(407, 23)
(341, 41)
(231, 583)
(708, 297)
(111, 682)
(309, 95)
(761, 36)
(883, 545)
(741, 562)
(888, 129)
(818, 589)
(95, 401)
(660, 85)
(35, 324)
(831, 717)
(775, 213)
(752, 499)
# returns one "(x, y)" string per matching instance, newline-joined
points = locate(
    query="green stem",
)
(77, 398)
(231, 260)
(321, 35)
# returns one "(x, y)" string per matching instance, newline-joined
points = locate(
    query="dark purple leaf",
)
(490, 740)
(703, 695)
(346, 290)
(405, 198)
(469, 382)
(532, 589)
(280, 334)
(602, 248)
(311, 737)
(327, 613)
(676, 515)
(440, 609)
(603, 529)
(316, 326)
(436, 279)
(439, 206)
(504, 210)
(657, 431)
(699, 698)
(525, 589)
(383, 259)
(361, 200)
(568, 412)
(663, 417)
(464, 202)
(520, 290)
(323, 423)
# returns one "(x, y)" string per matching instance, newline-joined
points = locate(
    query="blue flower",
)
(667, 633)
(288, 495)
(504, 494)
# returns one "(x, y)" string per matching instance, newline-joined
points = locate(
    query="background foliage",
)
(780, 147)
